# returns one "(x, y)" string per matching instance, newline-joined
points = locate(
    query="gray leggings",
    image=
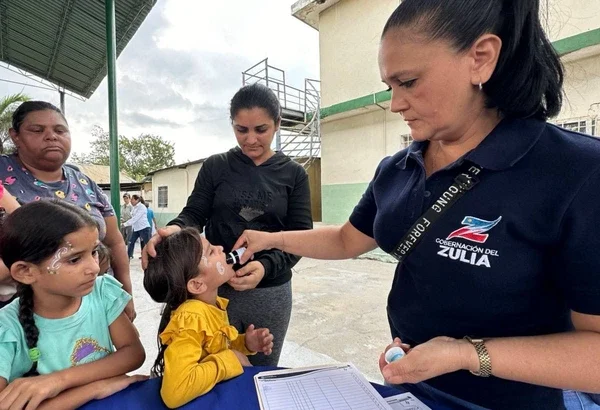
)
(262, 307)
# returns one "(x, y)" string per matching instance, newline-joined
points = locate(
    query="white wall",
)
(349, 35)
(180, 183)
(565, 18)
(353, 147)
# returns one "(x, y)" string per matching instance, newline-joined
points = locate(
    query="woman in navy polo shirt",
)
(513, 264)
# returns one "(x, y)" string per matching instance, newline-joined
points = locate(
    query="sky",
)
(177, 75)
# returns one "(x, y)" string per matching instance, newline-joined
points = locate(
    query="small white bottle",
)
(395, 353)
(234, 257)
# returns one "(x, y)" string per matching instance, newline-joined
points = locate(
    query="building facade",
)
(357, 128)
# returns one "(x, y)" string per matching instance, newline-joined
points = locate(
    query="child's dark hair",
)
(528, 78)
(103, 257)
(176, 262)
(31, 106)
(33, 233)
(256, 96)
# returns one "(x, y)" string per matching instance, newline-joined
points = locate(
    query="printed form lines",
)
(343, 392)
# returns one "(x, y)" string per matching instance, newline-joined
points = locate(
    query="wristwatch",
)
(485, 362)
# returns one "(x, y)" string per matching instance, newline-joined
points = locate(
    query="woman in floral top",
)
(37, 171)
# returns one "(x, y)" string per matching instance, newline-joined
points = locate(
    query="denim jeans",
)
(575, 400)
(144, 236)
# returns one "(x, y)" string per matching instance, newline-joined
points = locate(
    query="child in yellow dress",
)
(197, 346)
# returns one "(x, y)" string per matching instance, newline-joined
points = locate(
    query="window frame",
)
(162, 196)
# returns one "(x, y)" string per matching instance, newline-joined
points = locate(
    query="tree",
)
(8, 105)
(137, 156)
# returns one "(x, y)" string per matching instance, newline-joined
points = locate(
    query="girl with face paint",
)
(197, 346)
(66, 339)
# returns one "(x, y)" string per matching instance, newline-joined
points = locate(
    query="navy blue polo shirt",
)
(511, 258)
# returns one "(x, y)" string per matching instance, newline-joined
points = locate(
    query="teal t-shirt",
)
(81, 338)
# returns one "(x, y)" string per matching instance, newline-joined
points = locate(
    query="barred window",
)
(163, 196)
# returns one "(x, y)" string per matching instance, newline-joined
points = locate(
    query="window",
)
(585, 125)
(579, 126)
(405, 140)
(163, 196)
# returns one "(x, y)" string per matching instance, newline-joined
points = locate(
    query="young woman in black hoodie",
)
(251, 187)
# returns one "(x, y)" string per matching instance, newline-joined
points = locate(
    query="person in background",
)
(497, 299)
(139, 224)
(126, 210)
(151, 219)
(251, 187)
(38, 170)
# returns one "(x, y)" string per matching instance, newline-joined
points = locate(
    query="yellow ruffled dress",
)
(199, 352)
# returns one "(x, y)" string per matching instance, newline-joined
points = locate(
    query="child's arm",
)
(239, 344)
(78, 396)
(185, 378)
(129, 356)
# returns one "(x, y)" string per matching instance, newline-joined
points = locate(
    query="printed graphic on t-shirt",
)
(475, 231)
(87, 350)
(251, 203)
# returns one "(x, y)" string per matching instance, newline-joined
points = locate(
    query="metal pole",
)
(62, 101)
(111, 62)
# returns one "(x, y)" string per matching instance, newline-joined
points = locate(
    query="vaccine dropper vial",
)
(234, 257)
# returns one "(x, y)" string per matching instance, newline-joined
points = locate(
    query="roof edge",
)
(184, 165)
(308, 10)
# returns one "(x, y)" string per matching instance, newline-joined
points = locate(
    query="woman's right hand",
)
(242, 358)
(150, 248)
(256, 241)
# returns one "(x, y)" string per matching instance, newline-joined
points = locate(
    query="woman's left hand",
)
(436, 357)
(248, 277)
(259, 340)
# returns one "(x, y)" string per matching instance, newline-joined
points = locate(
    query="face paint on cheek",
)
(55, 263)
(205, 261)
(220, 268)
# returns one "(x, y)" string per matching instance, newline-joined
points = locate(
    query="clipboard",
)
(317, 388)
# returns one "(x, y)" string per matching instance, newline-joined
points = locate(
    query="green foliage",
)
(137, 156)
(8, 105)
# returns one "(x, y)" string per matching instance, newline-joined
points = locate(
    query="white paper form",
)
(406, 401)
(338, 387)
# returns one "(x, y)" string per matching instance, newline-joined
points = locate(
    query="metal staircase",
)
(299, 136)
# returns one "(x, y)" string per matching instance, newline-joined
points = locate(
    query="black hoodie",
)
(232, 194)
